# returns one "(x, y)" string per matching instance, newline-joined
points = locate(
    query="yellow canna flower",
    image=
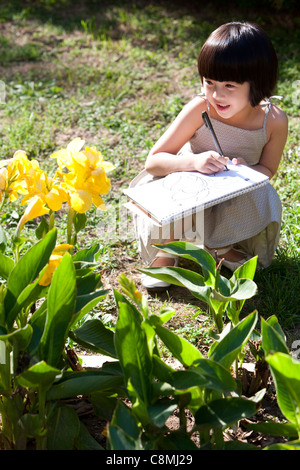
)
(54, 261)
(86, 177)
(47, 189)
(35, 208)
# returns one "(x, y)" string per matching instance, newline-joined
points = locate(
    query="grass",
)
(116, 74)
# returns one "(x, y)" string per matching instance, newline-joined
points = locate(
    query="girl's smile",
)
(227, 98)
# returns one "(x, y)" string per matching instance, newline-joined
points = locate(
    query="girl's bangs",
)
(223, 66)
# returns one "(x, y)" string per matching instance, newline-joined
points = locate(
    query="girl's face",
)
(227, 98)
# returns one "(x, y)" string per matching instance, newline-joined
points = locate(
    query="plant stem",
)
(71, 217)
(51, 219)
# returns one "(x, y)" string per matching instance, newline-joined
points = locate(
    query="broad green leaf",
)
(227, 350)
(198, 255)
(292, 445)
(38, 374)
(205, 373)
(242, 289)
(176, 440)
(85, 441)
(3, 240)
(119, 440)
(27, 297)
(84, 383)
(96, 337)
(218, 378)
(274, 428)
(246, 271)
(63, 428)
(27, 270)
(6, 266)
(164, 316)
(88, 284)
(85, 304)
(286, 374)
(223, 412)
(160, 411)
(124, 419)
(132, 349)
(272, 340)
(273, 321)
(42, 229)
(181, 349)
(60, 308)
(193, 281)
(80, 221)
(37, 321)
(32, 425)
(19, 338)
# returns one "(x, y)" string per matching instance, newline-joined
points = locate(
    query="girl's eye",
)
(229, 85)
(208, 82)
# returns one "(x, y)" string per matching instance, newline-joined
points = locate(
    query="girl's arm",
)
(163, 158)
(277, 130)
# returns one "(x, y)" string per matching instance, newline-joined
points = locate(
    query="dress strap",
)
(268, 103)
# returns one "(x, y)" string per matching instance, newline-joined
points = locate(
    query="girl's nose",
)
(217, 92)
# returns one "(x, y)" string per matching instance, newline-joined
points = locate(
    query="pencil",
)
(208, 124)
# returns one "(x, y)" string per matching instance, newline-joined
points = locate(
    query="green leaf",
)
(160, 411)
(38, 374)
(246, 271)
(27, 297)
(227, 350)
(42, 229)
(27, 270)
(63, 428)
(87, 255)
(198, 255)
(119, 440)
(274, 428)
(3, 240)
(286, 374)
(293, 445)
(96, 337)
(194, 282)
(223, 412)
(60, 307)
(84, 383)
(80, 221)
(86, 303)
(272, 340)
(132, 350)
(242, 289)
(19, 338)
(88, 284)
(124, 419)
(217, 376)
(85, 441)
(6, 266)
(181, 349)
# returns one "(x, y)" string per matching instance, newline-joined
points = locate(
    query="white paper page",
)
(180, 192)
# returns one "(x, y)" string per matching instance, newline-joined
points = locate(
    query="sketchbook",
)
(183, 193)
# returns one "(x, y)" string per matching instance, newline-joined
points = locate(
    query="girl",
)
(238, 69)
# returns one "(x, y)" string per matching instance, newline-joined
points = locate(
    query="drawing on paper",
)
(197, 186)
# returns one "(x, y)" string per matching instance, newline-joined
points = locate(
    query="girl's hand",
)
(239, 160)
(209, 162)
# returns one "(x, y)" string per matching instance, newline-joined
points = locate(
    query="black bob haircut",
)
(240, 52)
